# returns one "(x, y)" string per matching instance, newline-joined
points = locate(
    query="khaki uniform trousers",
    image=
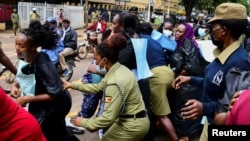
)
(66, 52)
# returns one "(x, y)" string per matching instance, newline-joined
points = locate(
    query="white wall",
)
(74, 13)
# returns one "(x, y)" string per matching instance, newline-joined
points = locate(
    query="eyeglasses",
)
(216, 29)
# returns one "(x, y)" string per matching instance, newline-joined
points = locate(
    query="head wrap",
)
(189, 33)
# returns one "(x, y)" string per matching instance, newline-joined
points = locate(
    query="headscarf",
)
(189, 33)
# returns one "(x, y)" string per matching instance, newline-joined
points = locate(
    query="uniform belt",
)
(140, 114)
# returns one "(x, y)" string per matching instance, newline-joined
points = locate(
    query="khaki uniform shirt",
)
(115, 97)
(15, 18)
(34, 17)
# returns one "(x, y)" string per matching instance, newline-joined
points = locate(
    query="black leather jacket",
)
(186, 58)
(48, 82)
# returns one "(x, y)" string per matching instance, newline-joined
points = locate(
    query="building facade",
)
(158, 5)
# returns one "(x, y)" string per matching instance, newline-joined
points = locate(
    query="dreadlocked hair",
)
(110, 47)
(38, 36)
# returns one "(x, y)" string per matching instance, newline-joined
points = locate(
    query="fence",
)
(74, 13)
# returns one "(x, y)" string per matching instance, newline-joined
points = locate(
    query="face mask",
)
(202, 32)
(167, 33)
(99, 69)
(217, 43)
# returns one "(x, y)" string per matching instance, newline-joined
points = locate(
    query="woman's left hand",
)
(192, 110)
(66, 84)
(76, 120)
(23, 100)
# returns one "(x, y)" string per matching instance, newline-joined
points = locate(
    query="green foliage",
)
(208, 5)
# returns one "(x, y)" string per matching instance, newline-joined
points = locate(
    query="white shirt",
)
(99, 26)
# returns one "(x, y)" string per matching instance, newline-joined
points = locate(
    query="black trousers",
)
(145, 90)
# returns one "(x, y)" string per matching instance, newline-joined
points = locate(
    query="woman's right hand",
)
(15, 92)
(234, 99)
(180, 80)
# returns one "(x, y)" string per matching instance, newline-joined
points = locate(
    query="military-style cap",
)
(133, 8)
(229, 11)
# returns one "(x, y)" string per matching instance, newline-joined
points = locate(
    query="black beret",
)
(133, 8)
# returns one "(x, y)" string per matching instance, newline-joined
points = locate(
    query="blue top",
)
(213, 83)
(155, 54)
(53, 53)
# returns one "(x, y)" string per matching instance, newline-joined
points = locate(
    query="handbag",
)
(236, 80)
(186, 127)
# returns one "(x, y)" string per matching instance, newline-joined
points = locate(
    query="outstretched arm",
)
(6, 62)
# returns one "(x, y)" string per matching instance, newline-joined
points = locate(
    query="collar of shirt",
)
(222, 56)
(112, 69)
(64, 32)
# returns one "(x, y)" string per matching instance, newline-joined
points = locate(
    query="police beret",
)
(133, 8)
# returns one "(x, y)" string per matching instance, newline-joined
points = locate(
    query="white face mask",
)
(167, 32)
(99, 69)
(202, 32)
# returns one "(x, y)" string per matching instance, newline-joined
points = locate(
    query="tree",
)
(188, 5)
(208, 5)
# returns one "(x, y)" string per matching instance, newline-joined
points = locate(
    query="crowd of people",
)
(170, 90)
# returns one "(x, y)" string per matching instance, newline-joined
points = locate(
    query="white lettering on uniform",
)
(218, 78)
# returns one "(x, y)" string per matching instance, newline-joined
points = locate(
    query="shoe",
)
(65, 72)
(75, 130)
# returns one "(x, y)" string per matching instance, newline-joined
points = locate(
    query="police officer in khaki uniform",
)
(124, 110)
(15, 21)
(34, 16)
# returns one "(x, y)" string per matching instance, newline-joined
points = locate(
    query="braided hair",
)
(110, 47)
(38, 36)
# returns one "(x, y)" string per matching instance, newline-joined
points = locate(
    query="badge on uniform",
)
(108, 99)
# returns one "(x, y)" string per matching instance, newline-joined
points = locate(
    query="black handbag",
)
(236, 80)
(186, 127)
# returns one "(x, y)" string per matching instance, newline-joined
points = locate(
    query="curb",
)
(11, 35)
(7, 36)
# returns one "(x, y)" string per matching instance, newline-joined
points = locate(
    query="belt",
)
(140, 114)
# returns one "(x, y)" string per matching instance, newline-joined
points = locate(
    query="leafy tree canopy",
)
(208, 5)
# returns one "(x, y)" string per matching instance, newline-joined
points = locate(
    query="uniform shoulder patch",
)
(108, 99)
